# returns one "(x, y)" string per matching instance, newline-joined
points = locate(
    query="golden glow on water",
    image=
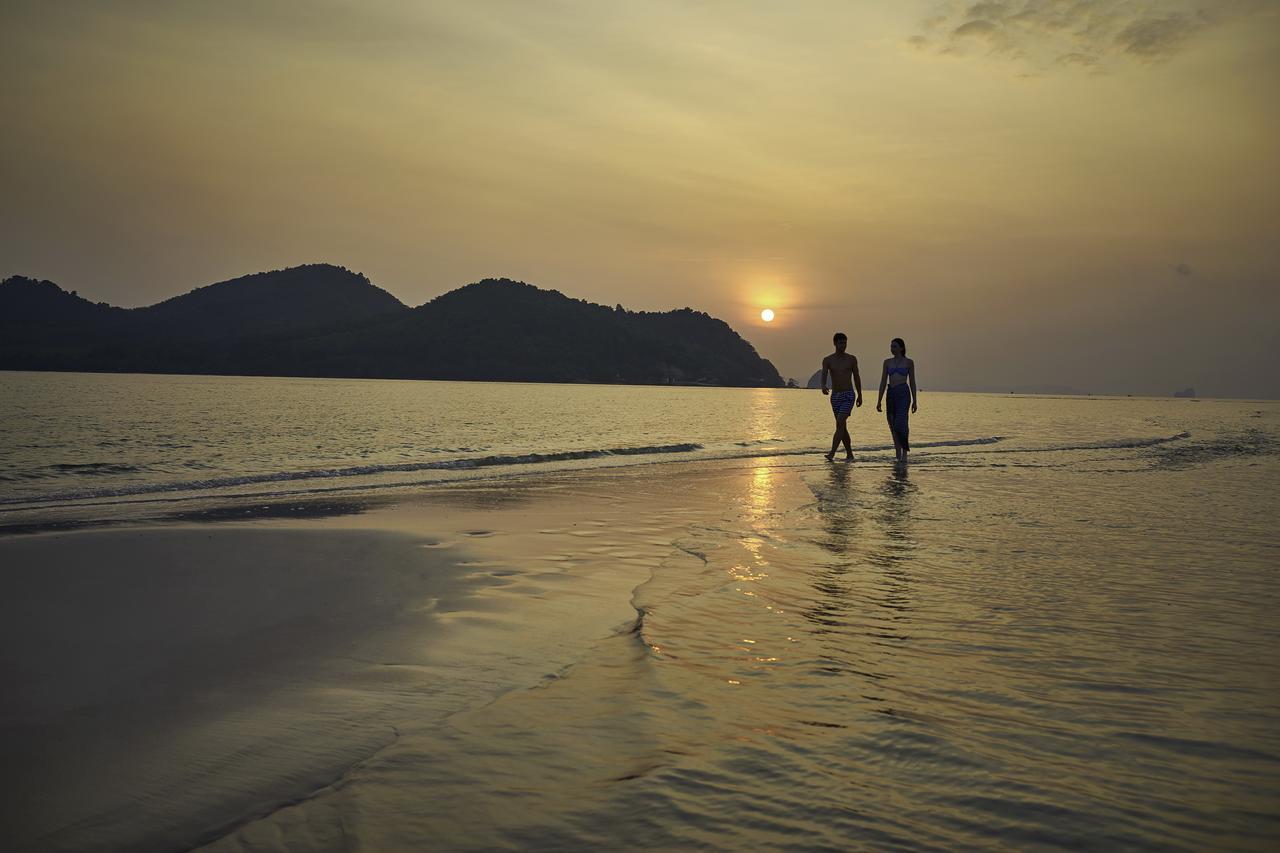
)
(944, 643)
(760, 496)
(1032, 676)
(767, 413)
(927, 615)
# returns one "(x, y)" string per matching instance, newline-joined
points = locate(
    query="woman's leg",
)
(899, 407)
(897, 446)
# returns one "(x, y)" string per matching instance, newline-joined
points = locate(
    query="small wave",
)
(1107, 444)
(959, 442)
(873, 448)
(75, 469)
(354, 471)
(92, 469)
(1250, 442)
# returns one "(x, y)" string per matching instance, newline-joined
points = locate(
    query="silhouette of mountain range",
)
(324, 320)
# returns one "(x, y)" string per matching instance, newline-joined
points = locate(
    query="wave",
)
(92, 467)
(1244, 443)
(354, 471)
(87, 469)
(871, 448)
(62, 469)
(742, 450)
(1110, 444)
(958, 442)
(1168, 450)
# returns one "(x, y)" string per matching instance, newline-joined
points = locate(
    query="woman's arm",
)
(915, 394)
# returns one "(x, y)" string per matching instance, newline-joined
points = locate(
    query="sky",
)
(1033, 193)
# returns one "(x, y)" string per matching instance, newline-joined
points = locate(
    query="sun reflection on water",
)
(766, 413)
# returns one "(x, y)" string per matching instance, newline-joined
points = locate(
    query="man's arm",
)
(884, 380)
(826, 368)
(857, 381)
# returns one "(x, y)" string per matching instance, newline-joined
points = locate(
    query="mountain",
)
(321, 320)
(43, 327)
(271, 303)
(504, 330)
(47, 328)
(24, 301)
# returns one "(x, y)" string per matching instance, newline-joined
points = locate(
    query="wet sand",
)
(167, 683)
(173, 683)
(767, 653)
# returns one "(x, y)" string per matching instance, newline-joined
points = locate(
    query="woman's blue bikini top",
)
(903, 370)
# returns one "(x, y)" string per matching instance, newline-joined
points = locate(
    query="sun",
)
(767, 315)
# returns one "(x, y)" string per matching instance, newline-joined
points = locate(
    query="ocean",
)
(1056, 628)
(94, 438)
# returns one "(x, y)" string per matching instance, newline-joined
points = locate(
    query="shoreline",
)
(336, 494)
(219, 669)
(1049, 395)
(560, 660)
(400, 379)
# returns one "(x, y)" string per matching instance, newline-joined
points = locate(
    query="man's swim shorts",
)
(842, 403)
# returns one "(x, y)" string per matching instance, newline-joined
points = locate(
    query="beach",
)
(672, 426)
(1002, 644)
(542, 666)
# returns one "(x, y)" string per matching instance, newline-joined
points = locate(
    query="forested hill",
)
(323, 320)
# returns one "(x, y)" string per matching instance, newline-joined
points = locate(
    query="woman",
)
(899, 374)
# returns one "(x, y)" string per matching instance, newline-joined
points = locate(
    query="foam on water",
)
(465, 463)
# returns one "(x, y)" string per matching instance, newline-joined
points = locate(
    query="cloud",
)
(1082, 59)
(975, 28)
(1155, 38)
(1183, 269)
(1081, 33)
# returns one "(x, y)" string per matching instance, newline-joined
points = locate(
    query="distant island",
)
(326, 321)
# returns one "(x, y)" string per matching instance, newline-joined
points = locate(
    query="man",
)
(843, 368)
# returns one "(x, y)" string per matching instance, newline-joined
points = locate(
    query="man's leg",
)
(848, 442)
(835, 438)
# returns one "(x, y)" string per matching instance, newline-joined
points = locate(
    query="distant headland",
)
(327, 321)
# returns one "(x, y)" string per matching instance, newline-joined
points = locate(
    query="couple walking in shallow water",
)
(898, 376)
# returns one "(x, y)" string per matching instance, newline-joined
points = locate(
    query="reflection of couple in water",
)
(898, 374)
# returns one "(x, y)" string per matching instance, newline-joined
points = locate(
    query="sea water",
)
(67, 437)
(1055, 628)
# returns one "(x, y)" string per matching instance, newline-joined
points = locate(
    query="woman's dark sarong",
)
(897, 407)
